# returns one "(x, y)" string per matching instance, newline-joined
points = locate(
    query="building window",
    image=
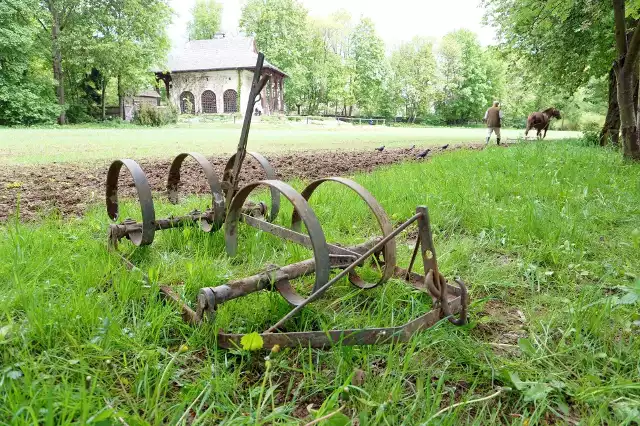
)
(187, 103)
(209, 102)
(230, 98)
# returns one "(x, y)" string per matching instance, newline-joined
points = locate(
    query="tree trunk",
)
(626, 67)
(628, 117)
(58, 76)
(103, 100)
(120, 99)
(611, 128)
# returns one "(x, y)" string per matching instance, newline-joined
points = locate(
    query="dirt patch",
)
(502, 325)
(70, 188)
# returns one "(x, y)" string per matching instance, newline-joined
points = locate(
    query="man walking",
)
(493, 118)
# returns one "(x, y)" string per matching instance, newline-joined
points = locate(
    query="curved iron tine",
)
(217, 197)
(270, 175)
(389, 250)
(318, 241)
(144, 237)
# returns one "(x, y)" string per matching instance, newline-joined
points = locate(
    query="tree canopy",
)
(206, 17)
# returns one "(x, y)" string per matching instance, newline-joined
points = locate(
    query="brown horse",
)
(540, 121)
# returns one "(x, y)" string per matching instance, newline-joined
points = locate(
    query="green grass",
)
(546, 235)
(92, 144)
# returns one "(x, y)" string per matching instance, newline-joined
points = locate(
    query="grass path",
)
(546, 235)
(70, 144)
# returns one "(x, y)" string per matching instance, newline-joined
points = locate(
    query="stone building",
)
(214, 77)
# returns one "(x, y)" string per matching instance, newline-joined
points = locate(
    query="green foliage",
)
(252, 342)
(414, 76)
(149, 115)
(368, 66)
(206, 19)
(132, 41)
(544, 234)
(280, 30)
(591, 133)
(26, 92)
(469, 78)
(562, 42)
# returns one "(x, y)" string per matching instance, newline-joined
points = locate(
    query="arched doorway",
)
(209, 102)
(187, 103)
(230, 98)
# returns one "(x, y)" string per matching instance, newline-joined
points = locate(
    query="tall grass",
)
(547, 236)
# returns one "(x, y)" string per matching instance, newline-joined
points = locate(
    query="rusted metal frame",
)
(145, 235)
(320, 339)
(217, 197)
(257, 85)
(276, 278)
(389, 250)
(350, 337)
(129, 227)
(316, 235)
(319, 292)
(293, 236)
(270, 175)
(435, 281)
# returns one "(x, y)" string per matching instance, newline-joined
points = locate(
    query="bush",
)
(26, 103)
(149, 115)
(591, 133)
(78, 113)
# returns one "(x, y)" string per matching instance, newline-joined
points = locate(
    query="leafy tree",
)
(414, 72)
(207, 17)
(466, 86)
(368, 66)
(57, 18)
(26, 95)
(130, 40)
(336, 31)
(280, 29)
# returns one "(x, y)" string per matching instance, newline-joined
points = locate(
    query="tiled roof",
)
(216, 54)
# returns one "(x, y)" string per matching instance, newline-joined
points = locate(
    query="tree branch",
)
(44, 27)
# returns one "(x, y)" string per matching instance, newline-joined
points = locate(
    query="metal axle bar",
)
(210, 297)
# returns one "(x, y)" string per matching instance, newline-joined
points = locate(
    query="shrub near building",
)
(149, 115)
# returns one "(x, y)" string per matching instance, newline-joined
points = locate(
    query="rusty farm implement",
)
(231, 209)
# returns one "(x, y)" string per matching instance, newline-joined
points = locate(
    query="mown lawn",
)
(547, 236)
(94, 144)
